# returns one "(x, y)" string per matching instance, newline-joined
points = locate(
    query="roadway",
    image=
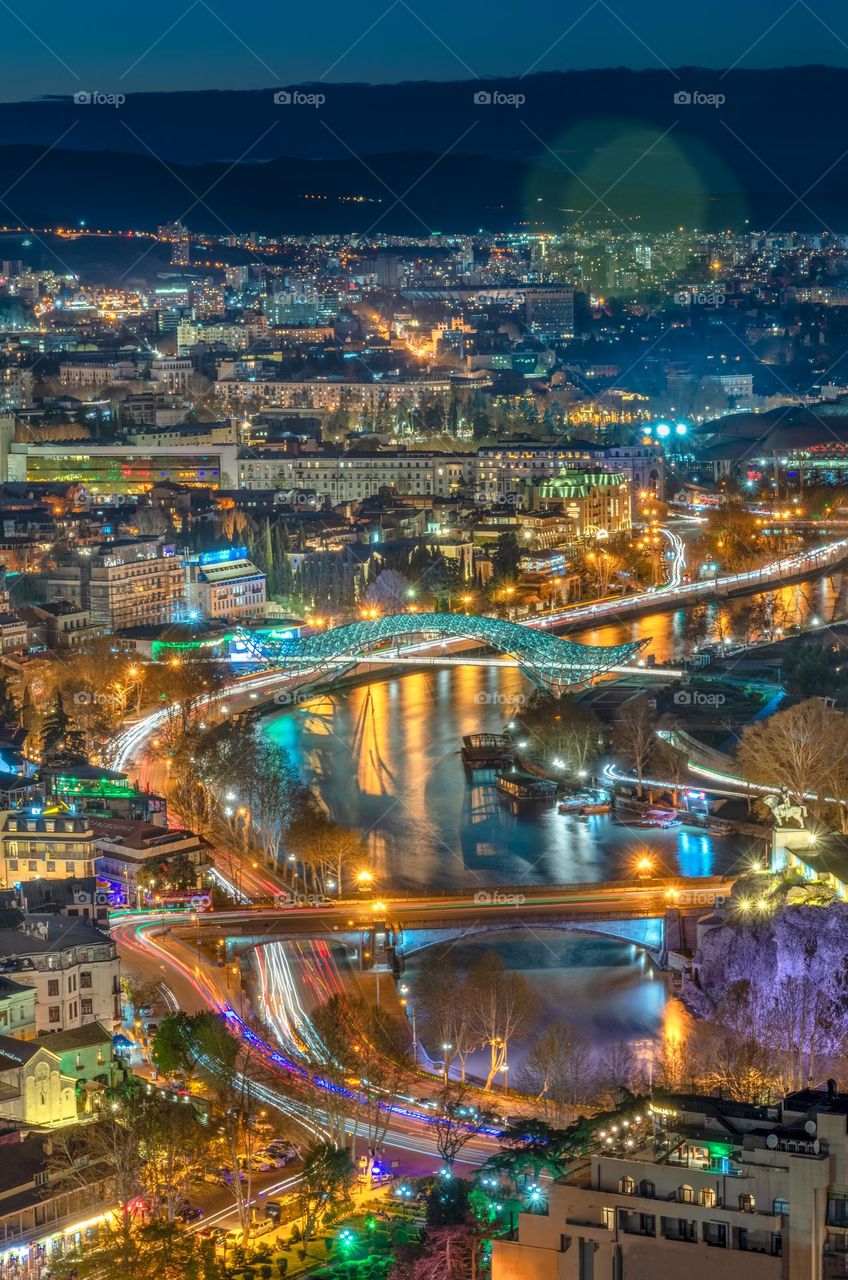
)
(602, 900)
(150, 946)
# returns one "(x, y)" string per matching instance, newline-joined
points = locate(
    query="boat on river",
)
(585, 802)
(524, 788)
(487, 750)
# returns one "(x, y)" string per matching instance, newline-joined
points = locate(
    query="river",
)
(385, 759)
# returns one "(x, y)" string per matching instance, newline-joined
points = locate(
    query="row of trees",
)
(147, 1153)
(234, 784)
(461, 1011)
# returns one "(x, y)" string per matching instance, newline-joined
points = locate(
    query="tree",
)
(114, 1147)
(503, 1008)
(564, 728)
(558, 1071)
(803, 750)
(8, 707)
(324, 848)
(445, 1010)
(457, 1121)
(325, 1180)
(152, 1251)
(507, 556)
(633, 737)
(601, 566)
(389, 592)
(175, 1149)
(60, 742)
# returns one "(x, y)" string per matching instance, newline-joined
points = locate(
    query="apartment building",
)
(17, 1010)
(235, 386)
(96, 372)
(596, 504)
(72, 966)
(697, 1187)
(224, 584)
(45, 844)
(129, 583)
(350, 477)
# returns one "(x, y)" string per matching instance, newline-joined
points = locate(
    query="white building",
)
(224, 584)
(701, 1188)
(48, 844)
(352, 476)
(33, 1088)
(73, 967)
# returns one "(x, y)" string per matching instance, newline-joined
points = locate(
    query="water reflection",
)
(608, 990)
(385, 759)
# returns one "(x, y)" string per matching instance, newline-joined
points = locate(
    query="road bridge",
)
(633, 912)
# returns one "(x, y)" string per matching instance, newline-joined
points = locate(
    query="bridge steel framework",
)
(549, 662)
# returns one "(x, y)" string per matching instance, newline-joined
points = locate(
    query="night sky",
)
(54, 47)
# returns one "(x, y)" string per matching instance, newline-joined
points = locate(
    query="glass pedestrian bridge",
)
(549, 662)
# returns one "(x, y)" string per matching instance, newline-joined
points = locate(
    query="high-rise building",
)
(180, 239)
(389, 270)
(549, 312)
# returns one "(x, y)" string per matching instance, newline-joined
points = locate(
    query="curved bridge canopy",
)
(549, 662)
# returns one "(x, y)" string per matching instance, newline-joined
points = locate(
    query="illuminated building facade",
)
(596, 504)
(224, 584)
(50, 844)
(122, 584)
(708, 1187)
(120, 470)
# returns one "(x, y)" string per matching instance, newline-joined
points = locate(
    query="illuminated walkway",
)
(549, 662)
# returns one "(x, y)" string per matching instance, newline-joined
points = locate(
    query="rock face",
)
(799, 946)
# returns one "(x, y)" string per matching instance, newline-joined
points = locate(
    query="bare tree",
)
(804, 750)
(503, 1008)
(457, 1121)
(445, 1010)
(559, 1071)
(633, 737)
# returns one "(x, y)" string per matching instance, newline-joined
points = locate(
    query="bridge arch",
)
(646, 932)
(548, 661)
